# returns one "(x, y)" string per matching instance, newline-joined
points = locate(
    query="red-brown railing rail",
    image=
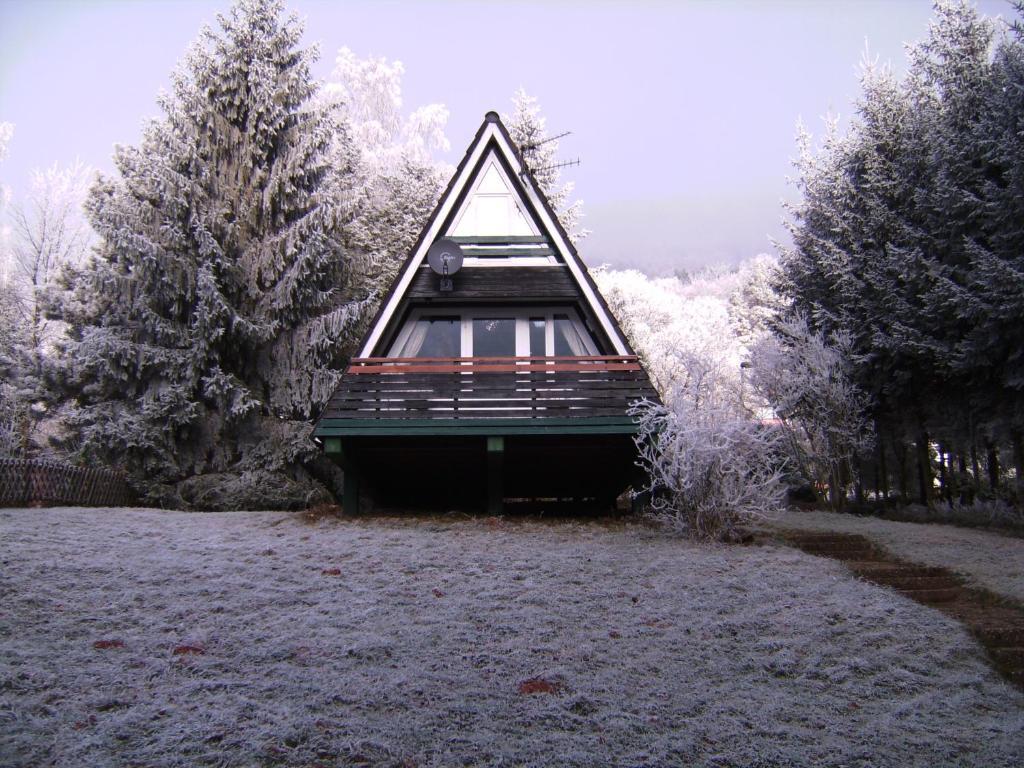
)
(538, 364)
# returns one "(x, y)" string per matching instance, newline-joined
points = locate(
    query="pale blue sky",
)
(683, 113)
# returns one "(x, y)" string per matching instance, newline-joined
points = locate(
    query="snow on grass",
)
(987, 559)
(144, 637)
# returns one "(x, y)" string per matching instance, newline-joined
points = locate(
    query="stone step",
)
(1001, 637)
(913, 581)
(845, 554)
(829, 541)
(933, 595)
(1010, 657)
(879, 569)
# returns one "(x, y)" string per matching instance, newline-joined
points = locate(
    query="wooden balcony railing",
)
(383, 392)
(541, 364)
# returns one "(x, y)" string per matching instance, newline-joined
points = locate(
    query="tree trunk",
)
(901, 467)
(943, 474)
(1018, 464)
(964, 488)
(976, 467)
(993, 467)
(883, 470)
(878, 480)
(924, 468)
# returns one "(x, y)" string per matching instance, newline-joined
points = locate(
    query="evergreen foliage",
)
(528, 128)
(207, 330)
(909, 241)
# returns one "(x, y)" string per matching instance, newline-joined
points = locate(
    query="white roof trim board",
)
(442, 214)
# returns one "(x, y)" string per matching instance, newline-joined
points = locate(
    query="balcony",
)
(486, 395)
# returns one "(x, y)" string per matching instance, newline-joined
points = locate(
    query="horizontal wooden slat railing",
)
(536, 389)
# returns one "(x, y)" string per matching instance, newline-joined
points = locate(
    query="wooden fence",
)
(39, 482)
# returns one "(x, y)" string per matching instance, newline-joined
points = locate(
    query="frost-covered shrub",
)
(806, 378)
(710, 467)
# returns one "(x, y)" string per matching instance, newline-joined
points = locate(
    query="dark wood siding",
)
(513, 283)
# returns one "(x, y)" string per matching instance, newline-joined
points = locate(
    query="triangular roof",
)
(493, 143)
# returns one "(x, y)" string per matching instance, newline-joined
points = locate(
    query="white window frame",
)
(522, 316)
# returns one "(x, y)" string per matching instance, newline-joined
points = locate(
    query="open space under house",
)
(507, 378)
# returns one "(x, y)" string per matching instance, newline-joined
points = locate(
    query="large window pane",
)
(567, 338)
(494, 337)
(537, 347)
(433, 337)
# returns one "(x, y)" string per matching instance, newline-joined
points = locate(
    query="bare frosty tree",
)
(398, 181)
(712, 316)
(806, 379)
(710, 467)
(49, 234)
(8, 314)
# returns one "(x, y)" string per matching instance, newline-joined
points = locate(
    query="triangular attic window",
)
(492, 209)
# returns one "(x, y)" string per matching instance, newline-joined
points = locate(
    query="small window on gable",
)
(492, 209)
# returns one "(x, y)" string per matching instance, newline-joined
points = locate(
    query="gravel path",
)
(987, 559)
(153, 638)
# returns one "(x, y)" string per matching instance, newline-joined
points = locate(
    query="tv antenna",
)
(533, 146)
(565, 164)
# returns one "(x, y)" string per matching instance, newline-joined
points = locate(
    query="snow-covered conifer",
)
(208, 327)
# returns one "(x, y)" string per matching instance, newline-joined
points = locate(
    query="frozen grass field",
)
(151, 638)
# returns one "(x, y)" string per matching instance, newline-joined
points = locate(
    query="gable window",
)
(492, 207)
(494, 333)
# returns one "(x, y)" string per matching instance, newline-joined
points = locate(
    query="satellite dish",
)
(445, 257)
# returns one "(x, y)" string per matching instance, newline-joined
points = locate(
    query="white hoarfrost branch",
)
(806, 380)
(710, 467)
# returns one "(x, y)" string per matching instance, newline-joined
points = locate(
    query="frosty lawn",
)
(258, 639)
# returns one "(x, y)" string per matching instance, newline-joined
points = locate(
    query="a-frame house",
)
(513, 382)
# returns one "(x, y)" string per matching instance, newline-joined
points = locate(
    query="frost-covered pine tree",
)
(208, 326)
(908, 240)
(528, 128)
